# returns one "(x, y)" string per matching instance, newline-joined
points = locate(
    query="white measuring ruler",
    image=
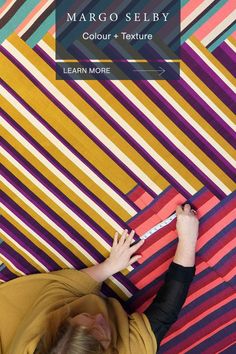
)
(158, 227)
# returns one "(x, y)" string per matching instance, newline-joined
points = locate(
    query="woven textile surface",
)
(82, 159)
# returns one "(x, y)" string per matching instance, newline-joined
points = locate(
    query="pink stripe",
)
(31, 15)
(215, 20)
(222, 253)
(220, 225)
(144, 200)
(189, 8)
(7, 3)
(207, 206)
(205, 288)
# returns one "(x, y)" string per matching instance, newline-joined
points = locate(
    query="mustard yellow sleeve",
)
(142, 339)
(78, 282)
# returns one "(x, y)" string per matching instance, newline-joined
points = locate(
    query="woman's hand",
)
(187, 225)
(187, 229)
(122, 251)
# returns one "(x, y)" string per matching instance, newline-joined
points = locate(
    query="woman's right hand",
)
(187, 225)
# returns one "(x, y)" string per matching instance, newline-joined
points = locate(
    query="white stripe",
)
(210, 64)
(45, 218)
(35, 260)
(11, 264)
(38, 237)
(35, 17)
(60, 175)
(187, 117)
(230, 45)
(26, 227)
(79, 163)
(219, 29)
(83, 119)
(154, 119)
(195, 13)
(7, 9)
(121, 287)
(214, 107)
(58, 202)
(136, 136)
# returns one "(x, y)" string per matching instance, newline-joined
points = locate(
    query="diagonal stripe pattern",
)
(82, 159)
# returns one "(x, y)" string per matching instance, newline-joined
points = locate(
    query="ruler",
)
(157, 227)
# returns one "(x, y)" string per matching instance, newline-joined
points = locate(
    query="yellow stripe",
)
(51, 177)
(32, 238)
(9, 266)
(58, 209)
(172, 128)
(232, 40)
(88, 111)
(42, 221)
(22, 253)
(65, 127)
(134, 123)
(64, 161)
(179, 134)
(196, 151)
(149, 138)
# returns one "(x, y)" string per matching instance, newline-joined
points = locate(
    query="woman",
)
(62, 312)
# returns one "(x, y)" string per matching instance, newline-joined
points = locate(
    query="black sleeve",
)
(164, 310)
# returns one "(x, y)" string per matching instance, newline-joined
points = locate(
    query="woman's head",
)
(81, 334)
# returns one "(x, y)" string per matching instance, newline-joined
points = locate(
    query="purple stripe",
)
(42, 232)
(78, 123)
(204, 110)
(63, 198)
(16, 259)
(29, 246)
(226, 56)
(7, 275)
(70, 147)
(199, 140)
(208, 76)
(144, 85)
(112, 122)
(53, 216)
(57, 165)
(20, 238)
(123, 133)
(179, 121)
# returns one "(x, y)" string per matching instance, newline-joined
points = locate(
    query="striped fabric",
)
(82, 159)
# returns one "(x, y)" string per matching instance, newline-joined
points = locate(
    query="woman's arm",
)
(164, 310)
(119, 259)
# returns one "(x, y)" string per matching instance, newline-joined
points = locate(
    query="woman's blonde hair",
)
(61, 337)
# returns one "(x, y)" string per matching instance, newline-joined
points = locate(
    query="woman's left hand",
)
(122, 251)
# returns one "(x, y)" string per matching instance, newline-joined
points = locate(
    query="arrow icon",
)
(160, 70)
